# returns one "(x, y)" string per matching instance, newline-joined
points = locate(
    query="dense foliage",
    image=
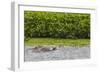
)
(56, 24)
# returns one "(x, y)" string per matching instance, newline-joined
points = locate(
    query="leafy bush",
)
(56, 24)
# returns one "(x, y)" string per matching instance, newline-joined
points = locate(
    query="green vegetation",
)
(56, 28)
(56, 25)
(57, 41)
